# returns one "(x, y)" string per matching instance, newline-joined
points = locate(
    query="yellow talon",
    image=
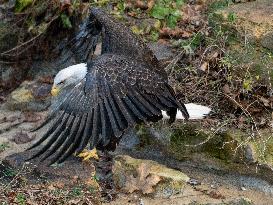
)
(87, 154)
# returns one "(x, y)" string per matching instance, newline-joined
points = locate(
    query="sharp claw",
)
(86, 154)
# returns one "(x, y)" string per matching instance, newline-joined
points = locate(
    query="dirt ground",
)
(240, 102)
(213, 187)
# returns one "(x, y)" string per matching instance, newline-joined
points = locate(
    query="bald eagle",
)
(97, 101)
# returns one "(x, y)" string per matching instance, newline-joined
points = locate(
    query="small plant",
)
(20, 5)
(191, 44)
(9, 172)
(21, 199)
(232, 17)
(96, 178)
(76, 191)
(4, 146)
(219, 4)
(91, 189)
(66, 21)
(167, 10)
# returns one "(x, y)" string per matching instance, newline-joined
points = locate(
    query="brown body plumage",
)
(124, 86)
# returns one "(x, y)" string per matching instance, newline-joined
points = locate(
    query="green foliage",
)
(9, 172)
(91, 189)
(100, 3)
(160, 12)
(190, 45)
(167, 10)
(4, 146)
(154, 35)
(96, 178)
(173, 18)
(219, 4)
(66, 21)
(20, 5)
(76, 191)
(21, 199)
(136, 30)
(121, 6)
(232, 17)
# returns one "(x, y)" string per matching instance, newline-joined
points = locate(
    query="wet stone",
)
(147, 177)
(41, 91)
(22, 138)
(30, 96)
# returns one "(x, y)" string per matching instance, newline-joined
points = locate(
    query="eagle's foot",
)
(87, 154)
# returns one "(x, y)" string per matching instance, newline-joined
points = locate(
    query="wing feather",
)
(78, 137)
(116, 94)
(95, 135)
(70, 139)
(61, 138)
(87, 129)
(112, 118)
(54, 136)
(51, 129)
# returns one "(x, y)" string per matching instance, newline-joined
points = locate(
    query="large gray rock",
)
(147, 177)
(30, 96)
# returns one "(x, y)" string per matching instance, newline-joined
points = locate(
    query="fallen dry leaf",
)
(132, 13)
(65, 4)
(265, 101)
(226, 89)
(204, 66)
(216, 195)
(151, 4)
(51, 187)
(141, 5)
(174, 33)
(144, 181)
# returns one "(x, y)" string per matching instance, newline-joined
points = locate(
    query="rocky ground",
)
(224, 159)
(131, 178)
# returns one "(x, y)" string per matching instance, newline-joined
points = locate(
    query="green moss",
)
(263, 147)
(182, 138)
(20, 5)
(144, 135)
(189, 139)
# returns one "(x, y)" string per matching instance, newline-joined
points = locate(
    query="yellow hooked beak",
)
(55, 91)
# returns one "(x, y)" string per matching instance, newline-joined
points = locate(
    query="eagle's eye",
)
(61, 83)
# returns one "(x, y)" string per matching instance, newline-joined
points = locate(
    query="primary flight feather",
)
(98, 100)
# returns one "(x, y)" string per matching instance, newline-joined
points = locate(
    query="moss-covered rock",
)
(228, 150)
(182, 140)
(30, 96)
(147, 177)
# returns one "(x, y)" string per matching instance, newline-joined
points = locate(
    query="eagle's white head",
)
(71, 75)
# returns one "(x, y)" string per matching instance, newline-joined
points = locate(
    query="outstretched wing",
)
(116, 39)
(84, 43)
(116, 94)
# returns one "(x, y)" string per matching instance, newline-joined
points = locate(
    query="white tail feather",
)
(195, 111)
